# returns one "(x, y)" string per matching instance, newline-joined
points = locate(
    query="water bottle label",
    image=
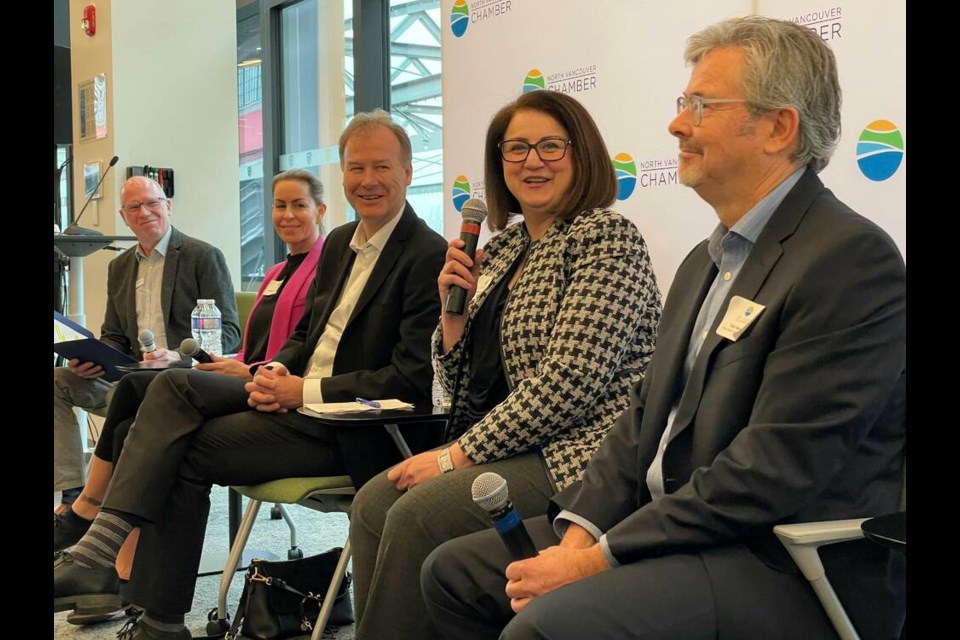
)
(210, 323)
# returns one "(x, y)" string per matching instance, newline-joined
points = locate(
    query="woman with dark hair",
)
(562, 312)
(298, 211)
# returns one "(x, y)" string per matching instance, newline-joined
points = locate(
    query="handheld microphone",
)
(489, 491)
(189, 347)
(75, 230)
(474, 211)
(147, 343)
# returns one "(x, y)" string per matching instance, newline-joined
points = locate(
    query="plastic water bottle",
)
(211, 324)
(195, 321)
(438, 394)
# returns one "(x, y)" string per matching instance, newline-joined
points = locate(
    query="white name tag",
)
(139, 283)
(272, 288)
(482, 283)
(740, 314)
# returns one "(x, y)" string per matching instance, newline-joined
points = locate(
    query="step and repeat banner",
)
(623, 59)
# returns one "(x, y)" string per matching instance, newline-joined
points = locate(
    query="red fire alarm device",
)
(89, 22)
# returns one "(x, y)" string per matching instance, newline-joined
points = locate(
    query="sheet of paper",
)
(353, 407)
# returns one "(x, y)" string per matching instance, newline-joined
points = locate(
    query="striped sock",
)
(102, 542)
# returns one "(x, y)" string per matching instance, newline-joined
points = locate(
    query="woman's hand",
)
(226, 366)
(425, 466)
(462, 271)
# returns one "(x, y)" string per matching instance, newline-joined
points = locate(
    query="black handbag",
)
(282, 599)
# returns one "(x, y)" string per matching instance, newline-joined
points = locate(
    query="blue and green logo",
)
(533, 81)
(880, 150)
(461, 191)
(459, 18)
(626, 170)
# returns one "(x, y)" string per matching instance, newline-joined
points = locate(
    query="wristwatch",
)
(444, 461)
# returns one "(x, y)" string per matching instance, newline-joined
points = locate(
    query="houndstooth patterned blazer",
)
(577, 333)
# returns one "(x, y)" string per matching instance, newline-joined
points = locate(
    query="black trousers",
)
(719, 593)
(128, 393)
(194, 429)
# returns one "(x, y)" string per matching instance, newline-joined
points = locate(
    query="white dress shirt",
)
(149, 287)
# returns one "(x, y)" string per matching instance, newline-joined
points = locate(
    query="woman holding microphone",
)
(561, 314)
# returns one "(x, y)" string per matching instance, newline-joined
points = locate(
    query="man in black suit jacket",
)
(366, 332)
(776, 394)
(192, 269)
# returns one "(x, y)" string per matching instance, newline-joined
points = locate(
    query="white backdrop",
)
(623, 59)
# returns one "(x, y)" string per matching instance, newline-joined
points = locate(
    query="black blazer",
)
(801, 419)
(384, 351)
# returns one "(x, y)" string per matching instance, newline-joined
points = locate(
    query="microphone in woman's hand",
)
(474, 212)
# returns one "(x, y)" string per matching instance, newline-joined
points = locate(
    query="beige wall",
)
(171, 102)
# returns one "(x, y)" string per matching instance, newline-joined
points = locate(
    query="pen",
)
(369, 403)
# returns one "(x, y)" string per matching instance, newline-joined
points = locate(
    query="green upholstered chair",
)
(802, 541)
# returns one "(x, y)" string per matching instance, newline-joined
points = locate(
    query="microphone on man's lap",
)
(147, 341)
(190, 347)
(489, 491)
(474, 212)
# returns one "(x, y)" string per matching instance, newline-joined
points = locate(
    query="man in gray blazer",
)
(776, 393)
(154, 285)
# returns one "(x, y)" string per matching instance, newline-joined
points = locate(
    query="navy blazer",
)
(801, 419)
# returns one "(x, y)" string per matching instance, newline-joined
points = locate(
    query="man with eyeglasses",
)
(154, 285)
(776, 394)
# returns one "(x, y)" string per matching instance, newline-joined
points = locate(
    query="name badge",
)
(272, 288)
(139, 283)
(482, 283)
(740, 314)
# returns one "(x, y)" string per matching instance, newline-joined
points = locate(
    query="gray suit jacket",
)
(192, 269)
(801, 419)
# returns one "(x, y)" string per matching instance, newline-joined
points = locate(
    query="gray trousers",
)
(69, 391)
(719, 593)
(392, 532)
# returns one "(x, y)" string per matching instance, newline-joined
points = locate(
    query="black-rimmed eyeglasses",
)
(548, 149)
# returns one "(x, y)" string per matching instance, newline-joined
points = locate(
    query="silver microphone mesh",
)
(146, 337)
(489, 491)
(474, 210)
(189, 347)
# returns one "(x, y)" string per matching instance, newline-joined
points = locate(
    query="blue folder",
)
(89, 349)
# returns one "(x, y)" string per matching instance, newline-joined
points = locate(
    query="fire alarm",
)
(89, 22)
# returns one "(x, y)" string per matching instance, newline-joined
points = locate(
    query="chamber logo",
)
(459, 19)
(826, 23)
(576, 80)
(626, 170)
(533, 81)
(461, 191)
(880, 150)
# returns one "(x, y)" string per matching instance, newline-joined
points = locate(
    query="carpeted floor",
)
(316, 533)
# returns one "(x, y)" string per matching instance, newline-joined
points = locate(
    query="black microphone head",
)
(189, 347)
(114, 160)
(474, 210)
(489, 491)
(146, 338)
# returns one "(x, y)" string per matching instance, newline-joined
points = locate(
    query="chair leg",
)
(294, 553)
(331, 596)
(236, 554)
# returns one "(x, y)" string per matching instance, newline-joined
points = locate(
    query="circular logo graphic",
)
(533, 81)
(461, 191)
(880, 150)
(626, 170)
(459, 18)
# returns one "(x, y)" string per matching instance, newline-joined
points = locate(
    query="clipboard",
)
(78, 342)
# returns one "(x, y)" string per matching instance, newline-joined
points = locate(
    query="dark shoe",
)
(75, 586)
(82, 616)
(135, 630)
(68, 528)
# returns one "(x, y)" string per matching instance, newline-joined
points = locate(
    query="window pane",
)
(250, 125)
(416, 99)
(316, 68)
